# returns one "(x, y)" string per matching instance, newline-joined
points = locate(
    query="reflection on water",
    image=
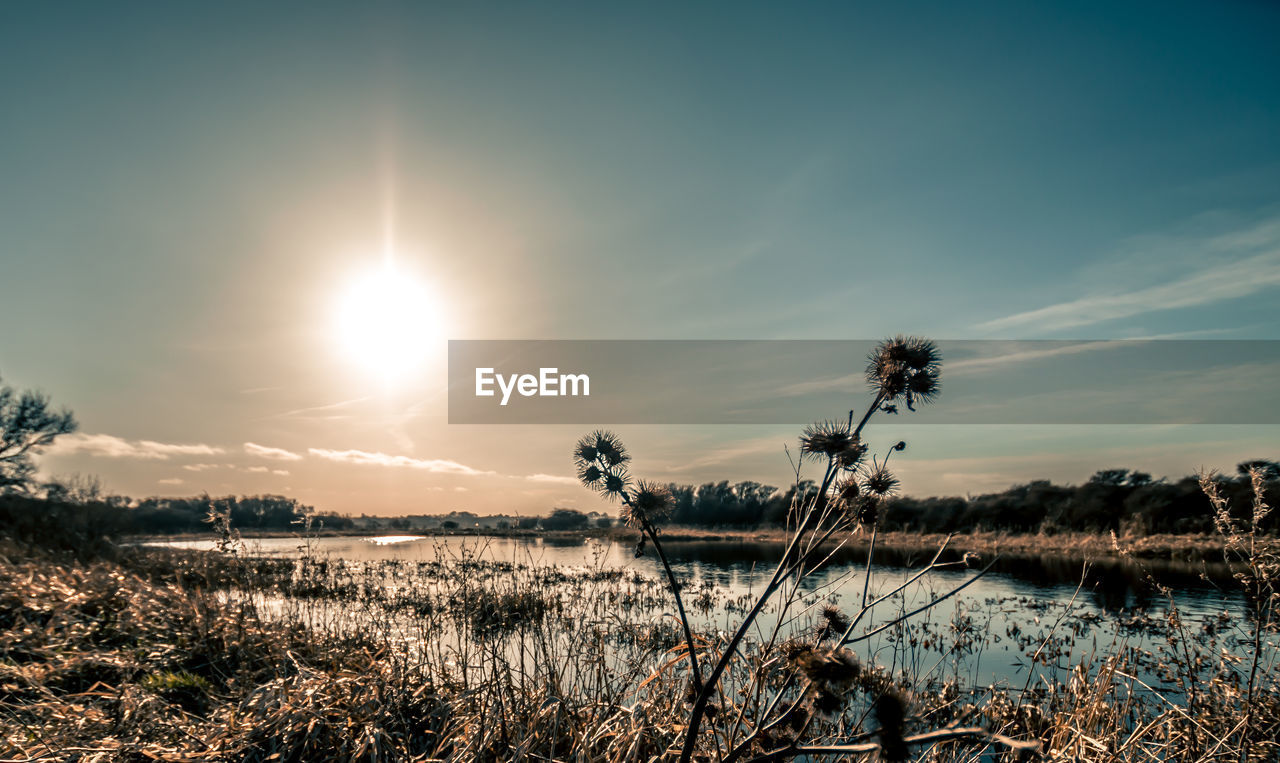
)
(387, 540)
(1018, 602)
(1111, 584)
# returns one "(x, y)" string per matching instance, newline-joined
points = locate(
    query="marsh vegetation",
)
(815, 646)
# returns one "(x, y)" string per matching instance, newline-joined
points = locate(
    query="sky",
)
(190, 193)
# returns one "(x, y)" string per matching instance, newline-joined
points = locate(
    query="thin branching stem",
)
(675, 590)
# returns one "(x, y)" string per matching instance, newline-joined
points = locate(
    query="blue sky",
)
(185, 188)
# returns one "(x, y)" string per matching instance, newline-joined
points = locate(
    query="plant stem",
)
(779, 574)
(675, 590)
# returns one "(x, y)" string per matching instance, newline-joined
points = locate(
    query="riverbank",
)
(1186, 548)
(162, 654)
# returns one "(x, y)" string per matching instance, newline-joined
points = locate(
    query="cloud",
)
(110, 446)
(266, 470)
(1036, 351)
(201, 467)
(842, 382)
(324, 411)
(551, 478)
(732, 453)
(1231, 267)
(366, 458)
(277, 454)
(170, 481)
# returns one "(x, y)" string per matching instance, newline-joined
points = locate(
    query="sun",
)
(387, 321)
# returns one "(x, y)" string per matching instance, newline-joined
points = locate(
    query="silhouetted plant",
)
(601, 461)
(819, 675)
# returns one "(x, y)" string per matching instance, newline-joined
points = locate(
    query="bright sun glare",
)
(386, 322)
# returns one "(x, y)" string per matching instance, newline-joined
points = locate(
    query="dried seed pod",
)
(890, 710)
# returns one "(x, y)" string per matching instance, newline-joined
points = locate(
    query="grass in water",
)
(133, 654)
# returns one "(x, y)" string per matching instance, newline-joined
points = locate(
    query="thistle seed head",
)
(585, 451)
(832, 439)
(880, 481)
(651, 503)
(891, 714)
(614, 483)
(905, 367)
(602, 446)
(590, 475)
(826, 703)
(835, 619)
(851, 457)
(832, 669)
(793, 648)
(847, 491)
(610, 449)
(866, 510)
(913, 352)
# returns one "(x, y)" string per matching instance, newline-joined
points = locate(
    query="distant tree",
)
(1110, 477)
(527, 523)
(449, 524)
(334, 521)
(77, 489)
(1138, 479)
(27, 425)
(604, 523)
(565, 519)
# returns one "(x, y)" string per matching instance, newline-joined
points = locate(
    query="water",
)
(983, 635)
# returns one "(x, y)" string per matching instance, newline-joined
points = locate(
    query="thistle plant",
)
(791, 687)
(602, 460)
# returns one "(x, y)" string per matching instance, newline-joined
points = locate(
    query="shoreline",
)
(1189, 548)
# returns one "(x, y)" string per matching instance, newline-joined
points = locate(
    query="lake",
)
(984, 635)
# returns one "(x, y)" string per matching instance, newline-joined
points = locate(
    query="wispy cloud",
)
(831, 383)
(263, 451)
(170, 481)
(321, 412)
(257, 390)
(551, 478)
(366, 458)
(202, 467)
(1232, 266)
(1025, 353)
(728, 454)
(110, 446)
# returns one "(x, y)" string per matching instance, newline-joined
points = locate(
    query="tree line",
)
(1112, 500)
(1118, 500)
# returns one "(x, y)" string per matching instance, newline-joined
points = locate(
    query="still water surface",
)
(1099, 609)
